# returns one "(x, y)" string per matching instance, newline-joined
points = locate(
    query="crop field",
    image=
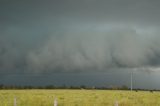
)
(78, 98)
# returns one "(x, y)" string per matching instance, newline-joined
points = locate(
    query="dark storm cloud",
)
(118, 48)
(74, 35)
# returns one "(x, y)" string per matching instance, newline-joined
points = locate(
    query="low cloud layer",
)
(73, 35)
(97, 50)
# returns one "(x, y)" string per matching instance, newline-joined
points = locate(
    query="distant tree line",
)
(71, 87)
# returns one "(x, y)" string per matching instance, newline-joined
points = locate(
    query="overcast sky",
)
(80, 42)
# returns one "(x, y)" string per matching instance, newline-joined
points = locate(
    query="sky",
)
(80, 42)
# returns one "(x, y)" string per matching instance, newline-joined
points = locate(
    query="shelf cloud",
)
(73, 35)
(97, 50)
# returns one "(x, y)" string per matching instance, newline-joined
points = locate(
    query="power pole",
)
(131, 80)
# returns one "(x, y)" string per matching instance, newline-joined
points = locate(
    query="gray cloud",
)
(97, 50)
(79, 35)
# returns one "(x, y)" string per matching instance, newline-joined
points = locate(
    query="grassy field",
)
(78, 98)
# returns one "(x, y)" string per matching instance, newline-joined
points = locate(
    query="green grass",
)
(79, 98)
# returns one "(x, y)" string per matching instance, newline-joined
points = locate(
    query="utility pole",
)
(131, 80)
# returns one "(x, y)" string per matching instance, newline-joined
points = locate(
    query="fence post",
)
(15, 101)
(55, 102)
(116, 103)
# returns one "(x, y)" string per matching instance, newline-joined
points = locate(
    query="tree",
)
(124, 87)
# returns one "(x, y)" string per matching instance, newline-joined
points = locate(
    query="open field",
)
(78, 98)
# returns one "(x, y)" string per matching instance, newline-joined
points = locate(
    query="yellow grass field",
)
(78, 98)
